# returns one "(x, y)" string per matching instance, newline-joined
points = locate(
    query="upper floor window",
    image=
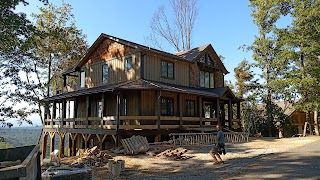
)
(167, 69)
(190, 108)
(128, 64)
(105, 73)
(207, 59)
(206, 79)
(167, 106)
(82, 79)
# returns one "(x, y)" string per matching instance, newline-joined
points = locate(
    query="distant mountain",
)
(21, 136)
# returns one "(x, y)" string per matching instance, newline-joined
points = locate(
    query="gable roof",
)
(220, 91)
(133, 45)
(193, 54)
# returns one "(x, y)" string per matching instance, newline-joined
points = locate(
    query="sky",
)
(226, 25)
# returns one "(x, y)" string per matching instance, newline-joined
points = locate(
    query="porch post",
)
(139, 104)
(44, 145)
(230, 114)
(102, 111)
(200, 109)
(52, 134)
(87, 110)
(180, 110)
(61, 151)
(157, 107)
(218, 112)
(118, 119)
(54, 112)
(238, 111)
(64, 112)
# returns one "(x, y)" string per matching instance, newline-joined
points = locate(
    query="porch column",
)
(157, 107)
(64, 111)
(44, 145)
(102, 111)
(87, 110)
(75, 112)
(218, 112)
(118, 120)
(54, 113)
(200, 109)
(230, 114)
(139, 104)
(64, 83)
(238, 111)
(61, 147)
(51, 134)
(180, 110)
(72, 137)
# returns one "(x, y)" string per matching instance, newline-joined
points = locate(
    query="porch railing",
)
(188, 139)
(130, 122)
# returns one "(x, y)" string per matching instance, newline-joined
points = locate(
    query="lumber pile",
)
(176, 154)
(93, 157)
(135, 145)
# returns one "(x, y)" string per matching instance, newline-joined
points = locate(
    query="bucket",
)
(122, 164)
(116, 169)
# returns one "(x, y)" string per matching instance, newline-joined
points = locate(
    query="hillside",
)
(21, 136)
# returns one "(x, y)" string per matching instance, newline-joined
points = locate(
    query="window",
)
(128, 64)
(99, 109)
(105, 73)
(167, 106)
(206, 79)
(167, 69)
(124, 106)
(82, 79)
(190, 108)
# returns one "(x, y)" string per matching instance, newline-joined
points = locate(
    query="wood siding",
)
(113, 54)
(152, 70)
(147, 103)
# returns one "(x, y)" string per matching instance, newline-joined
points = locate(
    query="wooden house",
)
(124, 89)
(298, 117)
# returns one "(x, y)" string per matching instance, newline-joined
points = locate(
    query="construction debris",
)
(176, 154)
(93, 157)
(135, 145)
(66, 172)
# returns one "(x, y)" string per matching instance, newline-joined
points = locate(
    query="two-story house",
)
(125, 89)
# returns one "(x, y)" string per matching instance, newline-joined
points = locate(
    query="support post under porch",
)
(200, 109)
(44, 144)
(218, 112)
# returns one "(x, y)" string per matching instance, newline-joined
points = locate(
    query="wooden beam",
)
(230, 114)
(218, 112)
(200, 109)
(102, 110)
(157, 108)
(44, 144)
(117, 119)
(180, 110)
(64, 111)
(51, 134)
(87, 110)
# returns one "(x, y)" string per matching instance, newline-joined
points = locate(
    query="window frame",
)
(104, 81)
(166, 64)
(126, 62)
(189, 109)
(202, 79)
(82, 83)
(169, 102)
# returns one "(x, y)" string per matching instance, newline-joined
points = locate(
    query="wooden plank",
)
(169, 126)
(169, 118)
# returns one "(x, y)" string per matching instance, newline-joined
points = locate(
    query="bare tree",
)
(178, 30)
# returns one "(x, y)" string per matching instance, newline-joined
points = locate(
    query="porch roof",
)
(138, 84)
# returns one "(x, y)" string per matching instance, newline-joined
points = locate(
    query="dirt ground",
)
(200, 164)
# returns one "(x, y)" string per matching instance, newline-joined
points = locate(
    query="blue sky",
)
(226, 25)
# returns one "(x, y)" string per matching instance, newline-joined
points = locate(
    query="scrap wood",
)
(135, 145)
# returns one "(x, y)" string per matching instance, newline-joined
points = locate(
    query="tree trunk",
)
(316, 125)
